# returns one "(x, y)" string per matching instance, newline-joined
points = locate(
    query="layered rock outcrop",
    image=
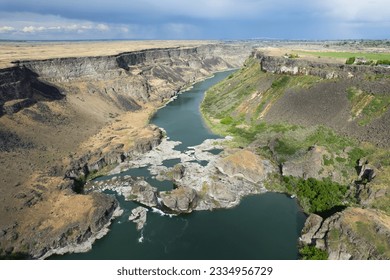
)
(351, 234)
(282, 65)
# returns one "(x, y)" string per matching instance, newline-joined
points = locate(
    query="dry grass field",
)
(11, 51)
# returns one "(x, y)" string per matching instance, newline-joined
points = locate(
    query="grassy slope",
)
(236, 106)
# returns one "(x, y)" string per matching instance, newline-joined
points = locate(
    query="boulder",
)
(221, 193)
(143, 193)
(312, 224)
(138, 216)
(307, 166)
(177, 172)
(243, 163)
(180, 200)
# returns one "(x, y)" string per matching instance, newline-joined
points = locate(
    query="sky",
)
(194, 19)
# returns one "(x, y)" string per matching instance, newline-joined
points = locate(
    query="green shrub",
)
(285, 147)
(312, 253)
(280, 83)
(327, 161)
(354, 155)
(383, 62)
(320, 195)
(340, 159)
(350, 60)
(227, 120)
(292, 55)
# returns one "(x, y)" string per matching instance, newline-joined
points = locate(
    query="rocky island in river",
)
(312, 127)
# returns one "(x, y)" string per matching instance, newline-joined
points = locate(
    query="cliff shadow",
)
(44, 90)
(326, 214)
(21, 88)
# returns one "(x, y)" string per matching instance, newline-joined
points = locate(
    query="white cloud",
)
(65, 28)
(33, 29)
(102, 27)
(6, 29)
(56, 27)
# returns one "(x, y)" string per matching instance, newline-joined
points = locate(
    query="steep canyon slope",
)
(64, 120)
(326, 125)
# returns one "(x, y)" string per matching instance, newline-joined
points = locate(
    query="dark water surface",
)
(264, 226)
(181, 118)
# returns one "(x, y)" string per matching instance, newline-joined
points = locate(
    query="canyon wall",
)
(283, 65)
(64, 119)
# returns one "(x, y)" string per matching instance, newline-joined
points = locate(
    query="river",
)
(263, 226)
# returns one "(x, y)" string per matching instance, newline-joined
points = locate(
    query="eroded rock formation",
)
(351, 234)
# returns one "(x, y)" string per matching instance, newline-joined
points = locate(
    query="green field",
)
(372, 56)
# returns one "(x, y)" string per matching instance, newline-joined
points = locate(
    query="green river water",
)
(263, 226)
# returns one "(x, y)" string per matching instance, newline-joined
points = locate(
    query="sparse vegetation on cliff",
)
(367, 107)
(312, 253)
(282, 142)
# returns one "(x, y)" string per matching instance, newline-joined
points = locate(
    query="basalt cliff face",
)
(327, 102)
(354, 233)
(283, 65)
(62, 120)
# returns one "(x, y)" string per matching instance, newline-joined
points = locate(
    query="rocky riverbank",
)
(202, 180)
